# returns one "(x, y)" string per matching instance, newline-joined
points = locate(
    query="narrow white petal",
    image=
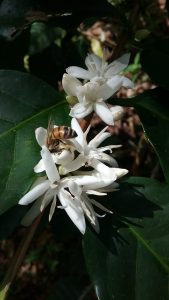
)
(104, 113)
(100, 206)
(48, 197)
(117, 66)
(80, 110)
(76, 215)
(70, 84)
(35, 193)
(110, 87)
(41, 134)
(52, 208)
(127, 83)
(108, 148)
(105, 171)
(92, 192)
(39, 167)
(80, 134)
(50, 167)
(99, 138)
(78, 72)
(89, 212)
(104, 157)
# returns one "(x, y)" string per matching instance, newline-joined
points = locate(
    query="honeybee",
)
(57, 138)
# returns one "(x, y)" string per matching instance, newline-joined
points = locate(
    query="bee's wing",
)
(49, 130)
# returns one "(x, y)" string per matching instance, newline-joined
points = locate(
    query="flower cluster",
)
(102, 81)
(73, 168)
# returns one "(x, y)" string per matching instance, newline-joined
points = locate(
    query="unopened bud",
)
(72, 100)
(117, 112)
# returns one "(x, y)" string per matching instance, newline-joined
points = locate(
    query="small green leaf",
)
(133, 262)
(25, 104)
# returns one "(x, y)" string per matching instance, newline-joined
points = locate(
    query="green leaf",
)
(25, 104)
(133, 261)
(153, 109)
(16, 16)
(155, 61)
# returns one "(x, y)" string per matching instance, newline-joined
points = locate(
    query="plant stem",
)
(18, 258)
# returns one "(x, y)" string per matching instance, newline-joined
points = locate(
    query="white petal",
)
(50, 167)
(117, 112)
(39, 167)
(92, 192)
(107, 172)
(99, 138)
(93, 63)
(64, 157)
(35, 193)
(100, 206)
(94, 180)
(127, 83)
(74, 188)
(120, 172)
(89, 212)
(103, 169)
(78, 72)
(117, 66)
(74, 165)
(80, 110)
(48, 197)
(41, 134)
(110, 87)
(76, 215)
(52, 208)
(104, 113)
(80, 134)
(70, 84)
(108, 148)
(104, 157)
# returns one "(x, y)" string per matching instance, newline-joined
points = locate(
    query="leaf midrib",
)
(16, 99)
(24, 122)
(157, 257)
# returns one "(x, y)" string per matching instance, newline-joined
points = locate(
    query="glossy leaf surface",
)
(132, 262)
(25, 104)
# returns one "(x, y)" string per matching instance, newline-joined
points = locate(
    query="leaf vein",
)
(150, 249)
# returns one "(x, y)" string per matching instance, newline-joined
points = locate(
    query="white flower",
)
(105, 81)
(71, 191)
(92, 155)
(72, 194)
(91, 96)
(100, 71)
(58, 158)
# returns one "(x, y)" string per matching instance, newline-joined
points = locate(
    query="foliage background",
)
(38, 40)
